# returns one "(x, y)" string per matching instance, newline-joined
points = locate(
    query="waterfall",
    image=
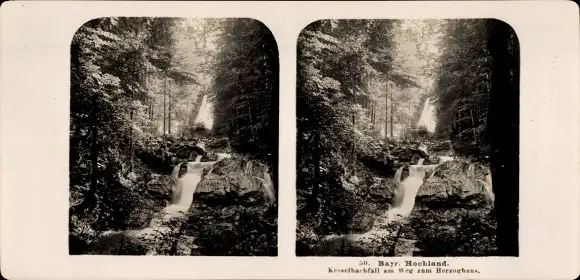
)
(407, 190)
(186, 177)
(488, 189)
(175, 176)
(427, 118)
(182, 197)
(205, 114)
(267, 187)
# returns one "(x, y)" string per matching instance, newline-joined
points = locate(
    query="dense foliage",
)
(113, 63)
(243, 231)
(477, 100)
(462, 90)
(344, 67)
(246, 88)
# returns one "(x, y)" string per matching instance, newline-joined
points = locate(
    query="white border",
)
(34, 57)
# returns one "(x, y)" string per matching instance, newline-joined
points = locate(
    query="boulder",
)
(429, 160)
(362, 221)
(382, 190)
(382, 164)
(157, 195)
(228, 166)
(456, 184)
(140, 218)
(454, 232)
(235, 164)
(159, 187)
(232, 211)
(409, 154)
(186, 151)
(229, 189)
(117, 243)
(158, 161)
(234, 230)
(209, 157)
(218, 144)
(236, 181)
(440, 148)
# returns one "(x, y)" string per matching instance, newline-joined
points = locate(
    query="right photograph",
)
(408, 138)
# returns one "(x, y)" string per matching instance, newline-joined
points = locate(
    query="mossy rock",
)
(455, 184)
(218, 144)
(209, 157)
(226, 190)
(362, 222)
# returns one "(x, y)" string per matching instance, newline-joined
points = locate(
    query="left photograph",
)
(173, 137)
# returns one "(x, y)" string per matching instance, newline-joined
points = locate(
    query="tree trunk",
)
(392, 109)
(151, 109)
(410, 122)
(94, 163)
(184, 128)
(203, 36)
(151, 102)
(387, 104)
(94, 158)
(251, 122)
(313, 199)
(164, 102)
(75, 144)
(152, 113)
(503, 132)
(131, 118)
(475, 135)
(354, 132)
(131, 141)
(169, 111)
(373, 113)
(150, 98)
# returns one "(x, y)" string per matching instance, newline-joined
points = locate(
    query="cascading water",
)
(427, 118)
(406, 191)
(404, 202)
(205, 113)
(182, 197)
(267, 187)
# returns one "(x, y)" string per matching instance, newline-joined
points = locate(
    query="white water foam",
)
(205, 113)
